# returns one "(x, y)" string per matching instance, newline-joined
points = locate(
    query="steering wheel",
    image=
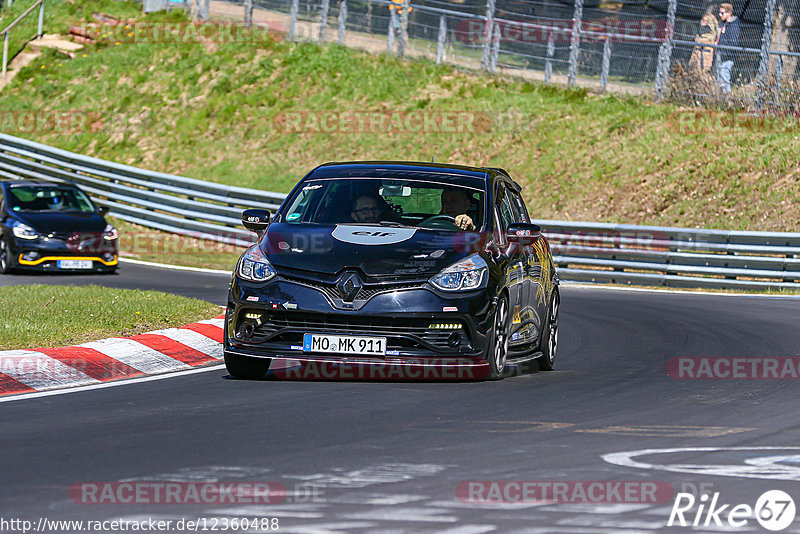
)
(444, 222)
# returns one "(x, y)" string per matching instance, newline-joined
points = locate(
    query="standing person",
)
(396, 6)
(728, 36)
(702, 57)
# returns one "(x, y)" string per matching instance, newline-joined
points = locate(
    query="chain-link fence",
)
(686, 51)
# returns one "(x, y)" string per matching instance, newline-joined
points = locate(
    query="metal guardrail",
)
(582, 251)
(674, 257)
(7, 30)
(153, 199)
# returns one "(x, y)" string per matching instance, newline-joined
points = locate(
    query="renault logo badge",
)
(349, 286)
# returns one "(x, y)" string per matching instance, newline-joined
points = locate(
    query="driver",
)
(456, 202)
(55, 202)
(366, 210)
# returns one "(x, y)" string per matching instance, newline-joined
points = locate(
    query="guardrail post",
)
(665, 52)
(548, 62)
(766, 44)
(390, 33)
(248, 12)
(403, 37)
(606, 63)
(575, 43)
(323, 19)
(295, 7)
(5, 54)
(41, 20)
(342, 20)
(487, 35)
(442, 39)
(495, 48)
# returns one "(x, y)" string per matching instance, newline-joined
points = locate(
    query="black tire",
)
(497, 351)
(549, 344)
(5, 256)
(245, 367)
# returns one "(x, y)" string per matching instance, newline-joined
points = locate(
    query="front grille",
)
(401, 333)
(366, 292)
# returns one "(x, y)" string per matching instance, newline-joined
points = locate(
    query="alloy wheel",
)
(3, 256)
(552, 339)
(500, 336)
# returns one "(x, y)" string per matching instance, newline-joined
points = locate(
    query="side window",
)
(506, 208)
(503, 213)
(519, 205)
(499, 232)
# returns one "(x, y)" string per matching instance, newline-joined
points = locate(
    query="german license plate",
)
(367, 346)
(74, 264)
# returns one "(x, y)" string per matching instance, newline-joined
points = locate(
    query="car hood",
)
(385, 252)
(62, 223)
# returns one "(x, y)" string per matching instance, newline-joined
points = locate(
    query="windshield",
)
(410, 202)
(48, 198)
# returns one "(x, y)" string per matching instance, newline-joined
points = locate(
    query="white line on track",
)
(174, 267)
(132, 381)
(609, 287)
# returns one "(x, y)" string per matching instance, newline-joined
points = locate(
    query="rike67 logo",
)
(774, 510)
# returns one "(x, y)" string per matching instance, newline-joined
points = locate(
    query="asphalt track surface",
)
(361, 456)
(201, 285)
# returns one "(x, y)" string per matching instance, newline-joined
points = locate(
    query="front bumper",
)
(40, 255)
(422, 327)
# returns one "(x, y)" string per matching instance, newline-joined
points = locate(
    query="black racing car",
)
(53, 227)
(396, 265)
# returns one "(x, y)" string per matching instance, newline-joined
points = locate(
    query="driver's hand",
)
(465, 222)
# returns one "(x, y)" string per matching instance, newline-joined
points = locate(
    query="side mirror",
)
(256, 220)
(102, 210)
(523, 234)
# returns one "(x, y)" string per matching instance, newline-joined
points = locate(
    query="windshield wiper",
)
(394, 224)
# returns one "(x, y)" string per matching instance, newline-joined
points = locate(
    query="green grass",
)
(217, 112)
(58, 14)
(50, 316)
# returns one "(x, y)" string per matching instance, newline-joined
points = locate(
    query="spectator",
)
(702, 58)
(396, 7)
(728, 36)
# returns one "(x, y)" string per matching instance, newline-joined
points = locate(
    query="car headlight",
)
(466, 275)
(110, 233)
(254, 266)
(23, 231)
